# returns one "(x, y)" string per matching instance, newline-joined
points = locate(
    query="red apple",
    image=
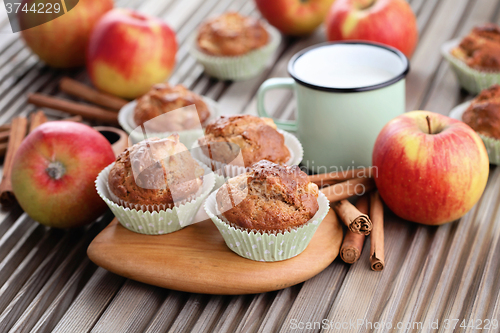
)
(129, 52)
(390, 22)
(430, 173)
(63, 41)
(54, 172)
(294, 17)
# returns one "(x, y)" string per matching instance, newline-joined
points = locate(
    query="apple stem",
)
(55, 170)
(429, 124)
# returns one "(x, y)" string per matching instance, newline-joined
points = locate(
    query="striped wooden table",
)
(433, 274)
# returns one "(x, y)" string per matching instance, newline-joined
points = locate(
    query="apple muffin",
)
(483, 115)
(231, 34)
(163, 98)
(257, 138)
(268, 198)
(481, 48)
(155, 173)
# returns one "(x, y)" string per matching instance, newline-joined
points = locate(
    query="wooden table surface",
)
(441, 273)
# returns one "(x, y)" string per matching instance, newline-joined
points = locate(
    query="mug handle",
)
(275, 83)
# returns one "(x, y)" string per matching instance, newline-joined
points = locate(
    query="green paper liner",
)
(470, 79)
(219, 181)
(492, 145)
(157, 222)
(228, 170)
(187, 137)
(268, 247)
(238, 67)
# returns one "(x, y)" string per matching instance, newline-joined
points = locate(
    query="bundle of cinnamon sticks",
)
(11, 135)
(363, 219)
(106, 110)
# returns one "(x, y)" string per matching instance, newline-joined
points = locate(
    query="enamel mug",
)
(345, 93)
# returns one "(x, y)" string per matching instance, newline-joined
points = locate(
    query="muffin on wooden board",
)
(269, 213)
(155, 173)
(270, 197)
(483, 115)
(163, 98)
(155, 187)
(481, 48)
(231, 34)
(257, 138)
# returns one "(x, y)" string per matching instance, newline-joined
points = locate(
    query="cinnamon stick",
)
(4, 136)
(377, 237)
(333, 177)
(3, 148)
(76, 119)
(353, 242)
(349, 188)
(354, 220)
(36, 119)
(77, 89)
(5, 129)
(77, 109)
(17, 134)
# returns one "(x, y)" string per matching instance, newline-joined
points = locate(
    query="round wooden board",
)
(196, 259)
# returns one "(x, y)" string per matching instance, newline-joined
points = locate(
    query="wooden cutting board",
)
(196, 259)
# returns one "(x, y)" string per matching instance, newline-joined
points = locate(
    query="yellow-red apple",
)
(129, 52)
(430, 169)
(390, 22)
(54, 170)
(61, 42)
(294, 17)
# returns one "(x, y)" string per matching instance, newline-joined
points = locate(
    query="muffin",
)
(257, 138)
(234, 47)
(163, 98)
(483, 114)
(155, 174)
(269, 213)
(268, 198)
(231, 34)
(481, 48)
(475, 59)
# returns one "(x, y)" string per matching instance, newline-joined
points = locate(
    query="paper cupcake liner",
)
(151, 208)
(492, 145)
(262, 246)
(227, 170)
(470, 79)
(157, 222)
(219, 181)
(239, 67)
(187, 137)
